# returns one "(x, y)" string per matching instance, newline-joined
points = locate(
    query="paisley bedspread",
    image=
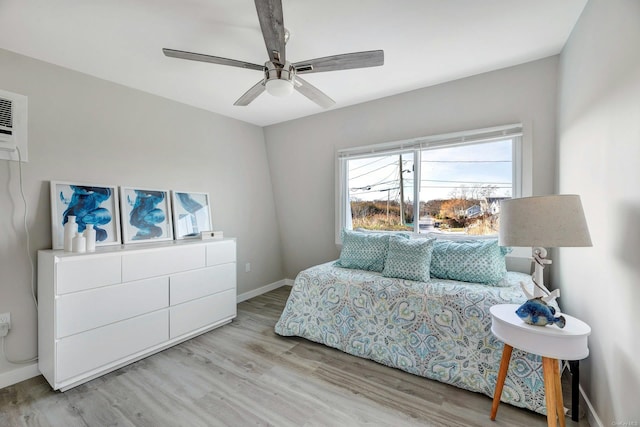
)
(439, 329)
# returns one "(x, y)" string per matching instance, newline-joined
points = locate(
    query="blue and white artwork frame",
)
(191, 214)
(146, 215)
(91, 204)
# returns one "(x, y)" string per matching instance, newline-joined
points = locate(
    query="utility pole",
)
(401, 194)
(388, 196)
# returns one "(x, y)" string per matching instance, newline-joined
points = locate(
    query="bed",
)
(439, 328)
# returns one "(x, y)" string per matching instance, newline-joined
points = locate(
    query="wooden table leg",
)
(549, 367)
(559, 399)
(502, 375)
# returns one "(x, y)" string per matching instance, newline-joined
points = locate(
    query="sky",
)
(443, 170)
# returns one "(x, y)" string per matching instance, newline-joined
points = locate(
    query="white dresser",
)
(100, 311)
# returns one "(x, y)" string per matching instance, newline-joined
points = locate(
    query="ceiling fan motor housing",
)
(274, 71)
(279, 79)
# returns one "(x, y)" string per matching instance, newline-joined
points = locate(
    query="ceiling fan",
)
(281, 77)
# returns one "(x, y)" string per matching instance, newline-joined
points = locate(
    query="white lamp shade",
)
(545, 221)
(279, 87)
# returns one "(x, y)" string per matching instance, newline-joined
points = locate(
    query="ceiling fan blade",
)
(313, 93)
(272, 25)
(346, 61)
(208, 58)
(251, 94)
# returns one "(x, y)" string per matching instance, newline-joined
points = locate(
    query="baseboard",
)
(288, 282)
(592, 416)
(19, 374)
(261, 290)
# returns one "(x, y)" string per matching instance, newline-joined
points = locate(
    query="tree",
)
(484, 191)
(461, 192)
(431, 208)
(455, 209)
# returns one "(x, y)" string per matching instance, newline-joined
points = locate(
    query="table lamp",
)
(543, 222)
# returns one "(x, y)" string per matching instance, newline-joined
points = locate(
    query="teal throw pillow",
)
(477, 261)
(363, 251)
(408, 259)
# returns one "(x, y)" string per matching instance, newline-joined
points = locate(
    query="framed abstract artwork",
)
(90, 204)
(191, 214)
(146, 215)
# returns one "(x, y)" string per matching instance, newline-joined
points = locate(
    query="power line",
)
(373, 170)
(367, 164)
(368, 187)
(451, 186)
(410, 181)
(467, 161)
(465, 182)
(381, 167)
(381, 182)
(377, 191)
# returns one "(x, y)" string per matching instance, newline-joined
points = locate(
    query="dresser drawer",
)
(90, 350)
(199, 283)
(192, 315)
(86, 310)
(221, 252)
(163, 261)
(83, 272)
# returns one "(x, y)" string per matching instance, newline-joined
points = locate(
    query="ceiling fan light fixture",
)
(279, 87)
(279, 79)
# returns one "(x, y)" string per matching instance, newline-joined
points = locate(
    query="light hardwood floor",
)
(243, 374)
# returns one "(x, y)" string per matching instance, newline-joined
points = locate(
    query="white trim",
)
(592, 416)
(341, 192)
(288, 282)
(521, 147)
(435, 141)
(526, 161)
(19, 374)
(261, 290)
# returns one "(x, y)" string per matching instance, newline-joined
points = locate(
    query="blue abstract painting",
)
(192, 214)
(146, 215)
(90, 204)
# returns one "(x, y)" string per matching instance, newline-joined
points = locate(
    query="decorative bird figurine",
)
(537, 312)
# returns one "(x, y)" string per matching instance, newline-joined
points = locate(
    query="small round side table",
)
(550, 342)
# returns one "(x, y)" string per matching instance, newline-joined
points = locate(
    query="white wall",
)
(302, 152)
(599, 158)
(85, 129)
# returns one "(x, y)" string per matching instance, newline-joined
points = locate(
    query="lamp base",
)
(539, 289)
(539, 257)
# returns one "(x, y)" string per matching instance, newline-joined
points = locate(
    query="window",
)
(449, 183)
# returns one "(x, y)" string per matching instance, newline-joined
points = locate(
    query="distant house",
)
(473, 211)
(488, 205)
(491, 205)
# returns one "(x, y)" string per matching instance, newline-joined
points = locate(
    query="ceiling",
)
(425, 42)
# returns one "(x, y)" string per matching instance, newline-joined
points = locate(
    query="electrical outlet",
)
(247, 267)
(5, 324)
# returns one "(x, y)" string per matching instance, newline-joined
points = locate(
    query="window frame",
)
(416, 146)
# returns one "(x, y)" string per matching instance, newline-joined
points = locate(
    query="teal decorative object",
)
(537, 312)
(477, 261)
(408, 259)
(363, 251)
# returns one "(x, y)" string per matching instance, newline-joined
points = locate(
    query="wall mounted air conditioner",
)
(13, 126)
